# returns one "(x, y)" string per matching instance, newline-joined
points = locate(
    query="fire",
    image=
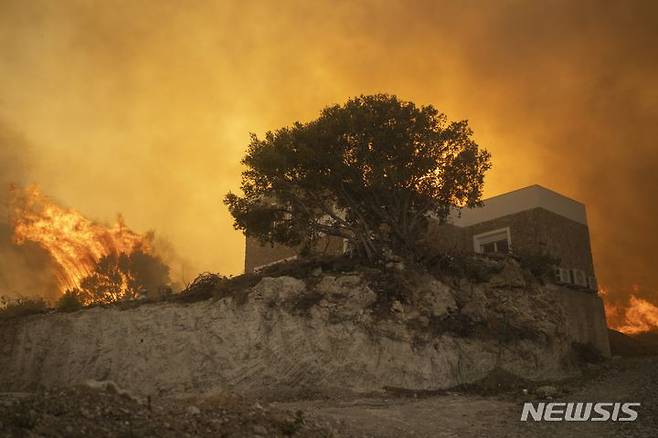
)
(74, 242)
(638, 316)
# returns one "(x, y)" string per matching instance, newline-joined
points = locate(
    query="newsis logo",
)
(579, 411)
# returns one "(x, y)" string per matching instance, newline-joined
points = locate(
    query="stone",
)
(435, 297)
(278, 290)
(547, 391)
(260, 430)
(398, 266)
(112, 387)
(348, 292)
(397, 307)
(510, 276)
(193, 410)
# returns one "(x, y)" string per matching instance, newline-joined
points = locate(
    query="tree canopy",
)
(120, 277)
(373, 171)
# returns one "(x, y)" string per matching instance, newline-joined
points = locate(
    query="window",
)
(579, 277)
(497, 241)
(563, 275)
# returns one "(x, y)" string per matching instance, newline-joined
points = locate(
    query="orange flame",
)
(75, 242)
(638, 316)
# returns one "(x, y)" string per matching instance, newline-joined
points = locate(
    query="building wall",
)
(447, 237)
(518, 201)
(542, 230)
(533, 231)
(258, 254)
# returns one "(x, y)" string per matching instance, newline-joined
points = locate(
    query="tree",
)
(372, 171)
(119, 277)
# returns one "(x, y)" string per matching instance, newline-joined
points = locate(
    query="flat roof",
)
(519, 200)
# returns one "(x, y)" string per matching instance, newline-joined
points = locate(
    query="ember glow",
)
(636, 316)
(74, 242)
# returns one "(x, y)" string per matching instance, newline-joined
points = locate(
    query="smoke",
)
(145, 107)
(577, 83)
(24, 270)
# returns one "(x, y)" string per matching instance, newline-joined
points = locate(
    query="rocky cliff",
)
(331, 333)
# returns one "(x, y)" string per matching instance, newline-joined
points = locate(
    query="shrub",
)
(71, 301)
(125, 277)
(390, 285)
(538, 263)
(462, 265)
(203, 287)
(18, 307)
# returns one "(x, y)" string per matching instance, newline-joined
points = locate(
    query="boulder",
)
(278, 290)
(348, 292)
(509, 277)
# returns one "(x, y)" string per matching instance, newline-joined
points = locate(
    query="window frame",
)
(478, 238)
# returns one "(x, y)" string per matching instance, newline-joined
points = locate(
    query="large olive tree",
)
(372, 171)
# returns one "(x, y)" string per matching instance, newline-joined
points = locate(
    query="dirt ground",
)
(92, 412)
(105, 413)
(471, 415)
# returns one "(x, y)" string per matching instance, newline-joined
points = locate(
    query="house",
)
(533, 219)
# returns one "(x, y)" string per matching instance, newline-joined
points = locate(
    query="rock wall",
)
(295, 338)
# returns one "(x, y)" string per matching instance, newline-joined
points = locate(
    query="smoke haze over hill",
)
(144, 107)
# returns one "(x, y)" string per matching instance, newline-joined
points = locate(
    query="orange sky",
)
(145, 107)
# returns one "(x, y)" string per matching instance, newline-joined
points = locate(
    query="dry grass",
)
(19, 307)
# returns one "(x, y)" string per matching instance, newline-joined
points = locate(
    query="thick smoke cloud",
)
(144, 107)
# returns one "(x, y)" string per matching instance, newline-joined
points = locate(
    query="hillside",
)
(330, 332)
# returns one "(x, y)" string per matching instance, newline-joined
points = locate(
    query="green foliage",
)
(18, 307)
(461, 265)
(70, 301)
(369, 171)
(539, 263)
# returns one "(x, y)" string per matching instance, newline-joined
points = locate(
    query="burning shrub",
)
(74, 242)
(17, 307)
(124, 277)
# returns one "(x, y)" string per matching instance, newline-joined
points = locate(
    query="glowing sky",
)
(145, 107)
